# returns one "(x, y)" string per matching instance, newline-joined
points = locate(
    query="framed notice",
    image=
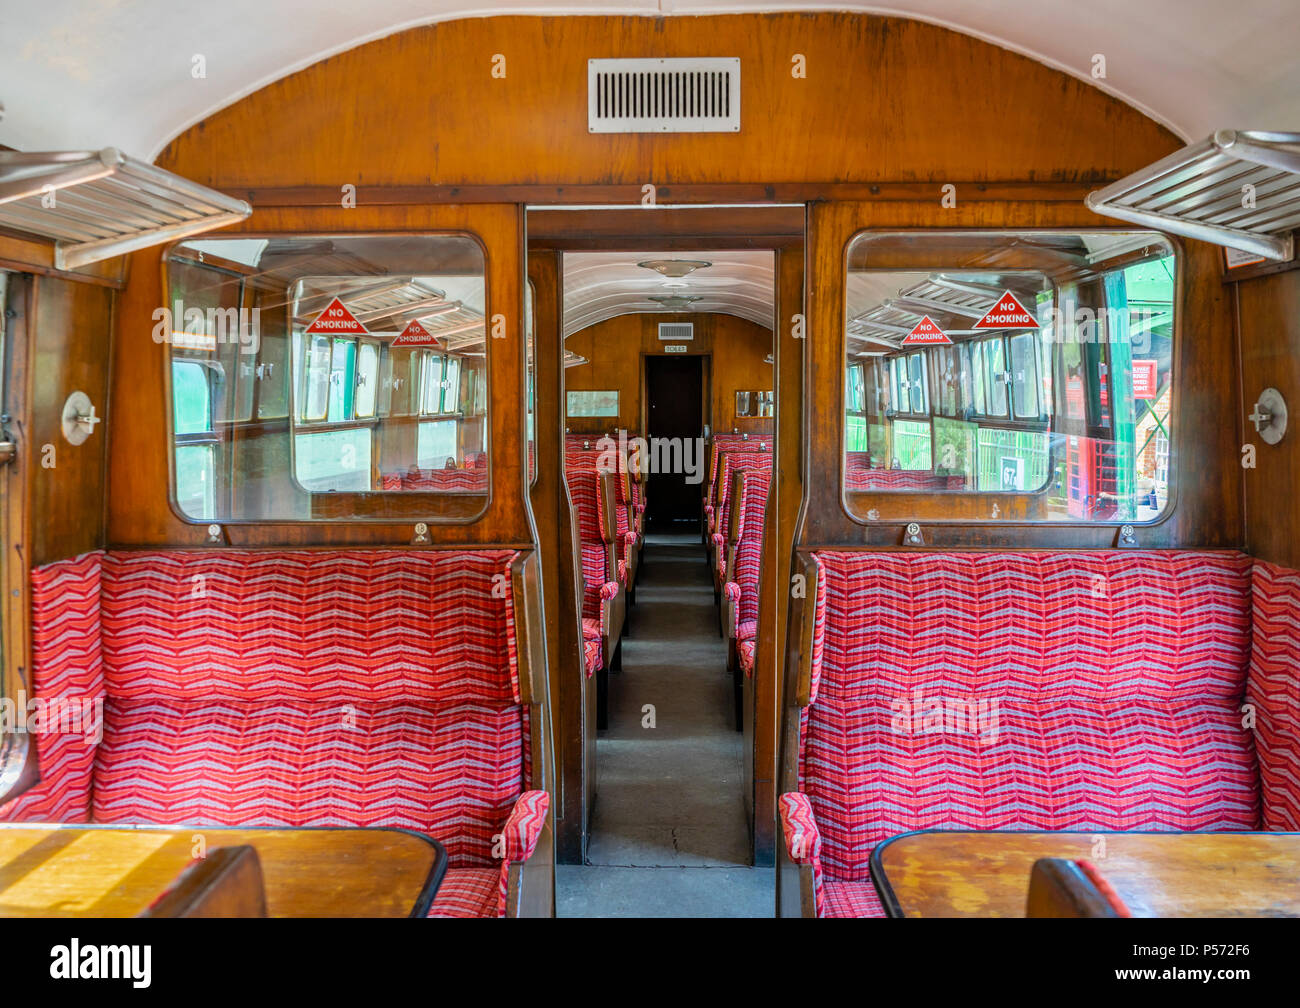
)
(590, 403)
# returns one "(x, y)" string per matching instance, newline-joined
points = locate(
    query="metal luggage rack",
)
(1237, 188)
(98, 204)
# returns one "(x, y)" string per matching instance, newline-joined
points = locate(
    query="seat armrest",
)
(731, 608)
(801, 851)
(520, 894)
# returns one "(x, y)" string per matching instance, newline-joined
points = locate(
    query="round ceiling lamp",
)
(675, 268)
(676, 302)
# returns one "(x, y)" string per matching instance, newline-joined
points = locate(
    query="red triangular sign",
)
(925, 333)
(337, 320)
(416, 335)
(1008, 313)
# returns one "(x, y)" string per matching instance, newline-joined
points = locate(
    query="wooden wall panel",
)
(1269, 319)
(764, 690)
(614, 350)
(572, 692)
(883, 98)
(71, 325)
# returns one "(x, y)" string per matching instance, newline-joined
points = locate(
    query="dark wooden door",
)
(674, 411)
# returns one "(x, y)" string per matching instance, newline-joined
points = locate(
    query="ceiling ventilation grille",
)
(672, 332)
(663, 95)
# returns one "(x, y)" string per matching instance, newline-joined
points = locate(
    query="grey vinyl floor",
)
(669, 836)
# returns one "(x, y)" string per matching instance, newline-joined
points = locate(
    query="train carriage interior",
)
(650, 460)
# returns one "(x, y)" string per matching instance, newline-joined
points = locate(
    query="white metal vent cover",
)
(672, 332)
(696, 95)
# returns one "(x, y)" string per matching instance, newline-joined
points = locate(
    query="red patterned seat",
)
(1021, 690)
(291, 688)
(1274, 693)
(599, 591)
(741, 591)
(730, 463)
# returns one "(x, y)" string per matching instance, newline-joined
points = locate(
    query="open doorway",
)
(674, 397)
(668, 355)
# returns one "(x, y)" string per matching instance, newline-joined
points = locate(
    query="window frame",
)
(394, 507)
(864, 506)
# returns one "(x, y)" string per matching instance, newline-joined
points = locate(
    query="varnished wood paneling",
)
(72, 325)
(1269, 319)
(883, 99)
(615, 348)
(764, 690)
(571, 690)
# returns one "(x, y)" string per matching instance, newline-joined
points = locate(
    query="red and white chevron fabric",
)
(1274, 691)
(849, 899)
(591, 645)
(749, 544)
(859, 475)
(1026, 690)
(298, 624)
(729, 463)
(803, 843)
(67, 669)
(745, 651)
(468, 892)
(468, 480)
(297, 688)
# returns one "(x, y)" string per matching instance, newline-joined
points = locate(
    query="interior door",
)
(674, 416)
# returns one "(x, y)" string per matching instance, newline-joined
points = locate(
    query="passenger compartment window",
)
(1037, 365)
(312, 377)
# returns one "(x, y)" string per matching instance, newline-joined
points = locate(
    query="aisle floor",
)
(669, 837)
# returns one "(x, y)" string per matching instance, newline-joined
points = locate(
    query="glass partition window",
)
(1038, 364)
(314, 376)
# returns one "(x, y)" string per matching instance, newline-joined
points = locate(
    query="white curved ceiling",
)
(80, 74)
(600, 285)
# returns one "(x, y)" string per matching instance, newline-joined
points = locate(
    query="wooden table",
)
(958, 873)
(114, 871)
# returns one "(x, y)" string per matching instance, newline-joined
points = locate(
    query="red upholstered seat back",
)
(300, 688)
(469, 480)
(719, 443)
(1274, 692)
(1026, 690)
(67, 667)
(588, 514)
(749, 544)
(860, 475)
(729, 463)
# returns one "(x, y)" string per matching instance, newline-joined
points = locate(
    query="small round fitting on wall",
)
(1269, 416)
(79, 418)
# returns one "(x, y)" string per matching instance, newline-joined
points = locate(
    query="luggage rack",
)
(1237, 188)
(95, 205)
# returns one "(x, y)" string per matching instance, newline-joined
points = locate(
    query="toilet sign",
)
(1144, 379)
(926, 333)
(337, 320)
(1008, 313)
(416, 335)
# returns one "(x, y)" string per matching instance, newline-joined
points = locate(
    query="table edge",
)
(423, 902)
(893, 909)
